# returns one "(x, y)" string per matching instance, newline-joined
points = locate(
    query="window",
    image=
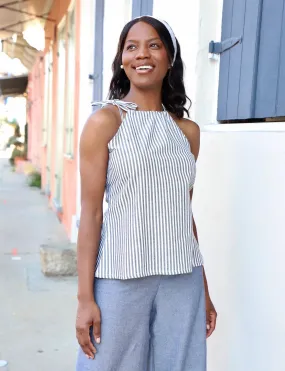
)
(70, 82)
(60, 124)
(252, 73)
(46, 100)
(47, 128)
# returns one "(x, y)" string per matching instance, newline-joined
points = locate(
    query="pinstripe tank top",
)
(147, 226)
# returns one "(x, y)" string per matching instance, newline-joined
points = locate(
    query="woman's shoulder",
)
(105, 115)
(190, 126)
(102, 123)
(191, 130)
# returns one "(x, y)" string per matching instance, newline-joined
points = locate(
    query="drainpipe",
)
(98, 51)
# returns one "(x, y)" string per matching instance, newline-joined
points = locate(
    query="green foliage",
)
(34, 179)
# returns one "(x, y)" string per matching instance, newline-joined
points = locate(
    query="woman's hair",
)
(173, 93)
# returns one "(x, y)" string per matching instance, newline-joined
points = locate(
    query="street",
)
(37, 313)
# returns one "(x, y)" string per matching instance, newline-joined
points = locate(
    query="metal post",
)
(98, 51)
(142, 7)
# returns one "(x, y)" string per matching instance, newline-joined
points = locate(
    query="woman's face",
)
(144, 57)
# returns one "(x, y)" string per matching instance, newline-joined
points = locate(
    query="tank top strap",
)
(121, 104)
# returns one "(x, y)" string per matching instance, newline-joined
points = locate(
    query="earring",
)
(122, 67)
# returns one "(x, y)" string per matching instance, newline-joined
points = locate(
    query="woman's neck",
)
(146, 100)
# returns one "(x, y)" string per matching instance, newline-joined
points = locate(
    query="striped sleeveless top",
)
(147, 227)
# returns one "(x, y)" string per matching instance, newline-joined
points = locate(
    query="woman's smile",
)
(144, 68)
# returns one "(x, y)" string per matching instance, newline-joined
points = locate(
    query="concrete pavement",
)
(37, 314)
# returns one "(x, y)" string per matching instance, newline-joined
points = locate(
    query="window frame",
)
(70, 82)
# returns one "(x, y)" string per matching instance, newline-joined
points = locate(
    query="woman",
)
(148, 306)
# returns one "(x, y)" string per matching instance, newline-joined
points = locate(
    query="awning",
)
(10, 86)
(15, 18)
(21, 50)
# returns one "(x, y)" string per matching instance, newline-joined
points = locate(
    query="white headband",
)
(171, 33)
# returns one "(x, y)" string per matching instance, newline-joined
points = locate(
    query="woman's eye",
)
(130, 47)
(154, 45)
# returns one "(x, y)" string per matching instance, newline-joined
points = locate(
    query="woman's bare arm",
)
(192, 132)
(96, 134)
(93, 168)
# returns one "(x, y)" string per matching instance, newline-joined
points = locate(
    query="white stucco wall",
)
(195, 24)
(116, 15)
(184, 20)
(239, 205)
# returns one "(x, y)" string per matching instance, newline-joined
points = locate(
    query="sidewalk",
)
(37, 314)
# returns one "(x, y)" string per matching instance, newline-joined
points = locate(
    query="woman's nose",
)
(143, 52)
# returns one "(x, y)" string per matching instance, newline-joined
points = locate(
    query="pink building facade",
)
(73, 70)
(53, 110)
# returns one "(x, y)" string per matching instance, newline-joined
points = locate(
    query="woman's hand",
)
(211, 316)
(88, 314)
